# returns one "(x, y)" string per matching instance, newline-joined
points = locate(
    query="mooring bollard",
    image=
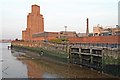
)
(8, 47)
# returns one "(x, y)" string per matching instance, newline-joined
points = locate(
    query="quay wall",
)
(103, 59)
(110, 55)
(49, 50)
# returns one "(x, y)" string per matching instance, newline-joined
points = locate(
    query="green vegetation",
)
(59, 40)
(110, 60)
(118, 61)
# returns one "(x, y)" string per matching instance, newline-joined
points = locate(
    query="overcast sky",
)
(57, 14)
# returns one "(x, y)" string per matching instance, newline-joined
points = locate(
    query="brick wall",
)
(97, 39)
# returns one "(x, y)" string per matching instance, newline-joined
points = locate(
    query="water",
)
(0, 61)
(12, 68)
(44, 68)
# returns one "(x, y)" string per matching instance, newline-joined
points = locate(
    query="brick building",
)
(112, 41)
(35, 23)
(35, 28)
(53, 35)
(35, 32)
(100, 31)
(44, 36)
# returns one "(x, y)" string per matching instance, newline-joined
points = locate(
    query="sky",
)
(57, 14)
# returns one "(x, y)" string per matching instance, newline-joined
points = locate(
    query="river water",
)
(26, 68)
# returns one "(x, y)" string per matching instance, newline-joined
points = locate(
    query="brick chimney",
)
(87, 28)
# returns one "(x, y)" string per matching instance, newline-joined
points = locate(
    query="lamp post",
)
(65, 28)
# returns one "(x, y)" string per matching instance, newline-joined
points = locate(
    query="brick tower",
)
(35, 23)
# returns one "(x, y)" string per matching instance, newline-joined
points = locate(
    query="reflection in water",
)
(44, 68)
(50, 69)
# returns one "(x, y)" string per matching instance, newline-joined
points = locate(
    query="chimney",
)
(87, 29)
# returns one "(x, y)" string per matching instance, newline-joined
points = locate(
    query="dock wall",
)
(49, 50)
(102, 59)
